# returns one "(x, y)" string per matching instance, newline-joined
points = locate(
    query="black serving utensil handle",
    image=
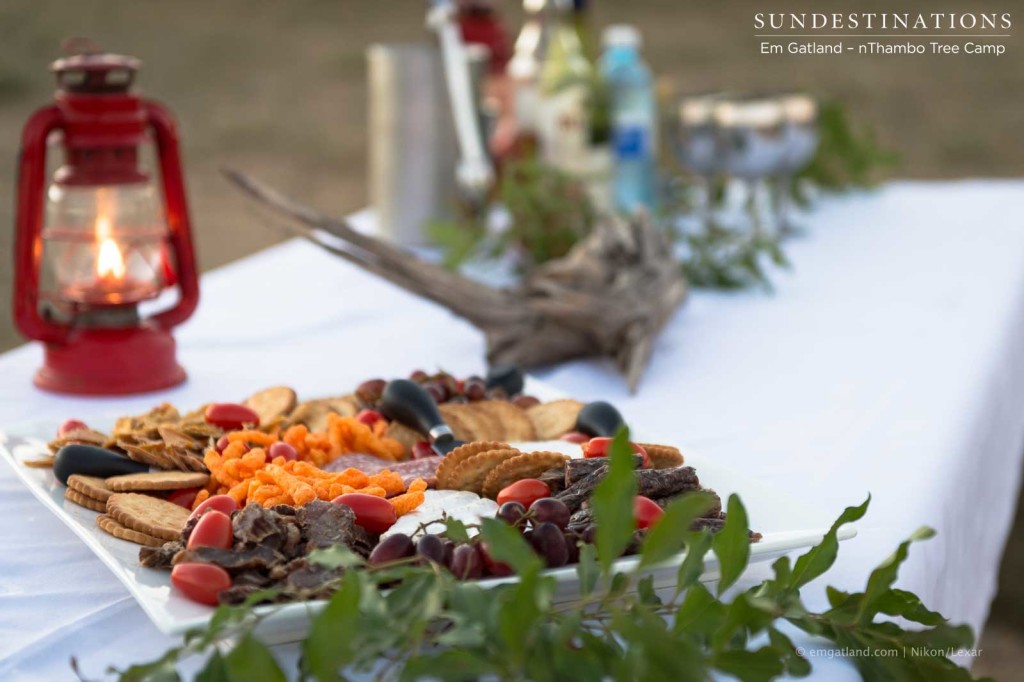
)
(599, 419)
(507, 377)
(406, 402)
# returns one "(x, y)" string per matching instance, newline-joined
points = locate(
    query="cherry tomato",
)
(222, 503)
(184, 497)
(231, 416)
(575, 437)
(69, 426)
(369, 417)
(598, 447)
(525, 492)
(212, 530)
(646, 512)
(422, 449)
(373, 513)
(282, 449)
(200, 582)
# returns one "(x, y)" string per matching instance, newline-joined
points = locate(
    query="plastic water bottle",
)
(633, 118)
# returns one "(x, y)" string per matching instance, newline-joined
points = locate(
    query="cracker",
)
(663, 456)
(158, 480)
(464, 451)
(461, 422)
(512, 422)
(272, 403)
(555, 419)
(40, 463)
(314, 413)
(470, 473)
(84, 500)
(109, 524)
(404, 435)
(149, 515)
(152, 455)
(529, 465)
(90, 486)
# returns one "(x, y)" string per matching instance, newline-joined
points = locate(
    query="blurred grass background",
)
(278, 89)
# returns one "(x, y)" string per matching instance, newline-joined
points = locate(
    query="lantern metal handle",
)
(28, 248)
(176, 205)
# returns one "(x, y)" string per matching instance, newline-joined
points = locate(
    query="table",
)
(888, 360)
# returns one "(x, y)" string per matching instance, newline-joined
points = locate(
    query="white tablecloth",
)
(888, 360)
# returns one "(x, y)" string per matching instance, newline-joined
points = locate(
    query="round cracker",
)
(528, 465)
(90, 486)
(158, 480)
(554, 419)
(149, 515)
(663, 456)
(471, 472)
(463, 452)
(84, 500)
(272, 403)
(109, 524)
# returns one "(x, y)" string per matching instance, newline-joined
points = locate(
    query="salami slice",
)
(409, 470)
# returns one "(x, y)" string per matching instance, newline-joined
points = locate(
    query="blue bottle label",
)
(630, 142)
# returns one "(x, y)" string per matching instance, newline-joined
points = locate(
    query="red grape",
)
(466, 563)
(422, 449)
(392, 548)
(431, 548)
(550, 509)
(496, 568)
(369, 417)
(511, 513)
(549, 542)
(371, 390)
(282, 449)
(69, 426)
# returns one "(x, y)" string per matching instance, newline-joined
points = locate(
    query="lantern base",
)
(96, 361)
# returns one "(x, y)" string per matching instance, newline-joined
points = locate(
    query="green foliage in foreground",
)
(430, 626)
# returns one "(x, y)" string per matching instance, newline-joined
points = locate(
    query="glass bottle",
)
(564, 87)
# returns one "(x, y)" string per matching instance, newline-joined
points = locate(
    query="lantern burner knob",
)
(90, 70)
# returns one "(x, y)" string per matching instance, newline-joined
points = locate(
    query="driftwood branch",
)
(608, 297)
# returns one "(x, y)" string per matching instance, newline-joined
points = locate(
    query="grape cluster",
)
(545, 526)
(445, 388)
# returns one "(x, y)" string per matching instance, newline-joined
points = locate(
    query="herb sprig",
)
(429, 625)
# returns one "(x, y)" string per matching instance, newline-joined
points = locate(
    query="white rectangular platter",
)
(785, 523)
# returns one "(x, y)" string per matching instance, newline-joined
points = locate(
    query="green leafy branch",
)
(409, 621)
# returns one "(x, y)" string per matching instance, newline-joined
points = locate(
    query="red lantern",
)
(101, 239)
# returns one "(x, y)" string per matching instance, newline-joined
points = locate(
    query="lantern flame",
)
(110, 260)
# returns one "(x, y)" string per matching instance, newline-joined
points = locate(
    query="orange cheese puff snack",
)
(391, 482)
(348, 434)
(253, 438)
(296, 437)
(413, 498)
(202, 496)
